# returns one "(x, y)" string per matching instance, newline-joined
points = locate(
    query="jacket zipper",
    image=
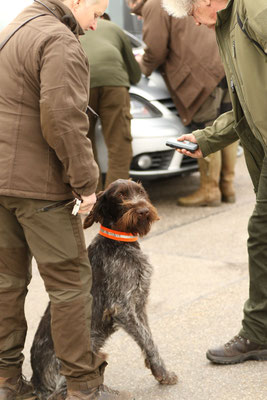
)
(232, 85)
(234, 52)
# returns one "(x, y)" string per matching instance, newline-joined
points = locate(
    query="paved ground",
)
(199, 286)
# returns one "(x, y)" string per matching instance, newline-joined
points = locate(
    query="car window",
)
(10, 9)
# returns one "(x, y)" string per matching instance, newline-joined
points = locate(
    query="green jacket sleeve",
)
(218, 135)
(132, 66)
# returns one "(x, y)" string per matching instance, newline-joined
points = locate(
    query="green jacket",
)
(246, 71)
(110, 55)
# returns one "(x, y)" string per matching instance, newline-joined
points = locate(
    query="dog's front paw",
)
(163, 376)
(169, 379)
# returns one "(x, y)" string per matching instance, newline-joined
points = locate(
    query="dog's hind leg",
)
(46, 378)
(137, 327)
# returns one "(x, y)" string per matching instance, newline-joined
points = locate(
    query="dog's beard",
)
(177, 8)
(132, 223)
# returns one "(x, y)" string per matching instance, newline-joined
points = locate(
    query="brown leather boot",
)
(16, 388)
(101, 392)
(209, 193)
(229, 155)
(237, 350)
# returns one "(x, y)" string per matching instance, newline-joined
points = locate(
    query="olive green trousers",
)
(55, 239)
(255, 308)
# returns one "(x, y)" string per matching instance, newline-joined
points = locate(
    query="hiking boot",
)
(208, 193)
(229, 154)
(16, 388)
(237, 350)
(102, 392)
(204, 196)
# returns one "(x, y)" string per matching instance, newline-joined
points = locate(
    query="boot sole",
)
(228, 199)
(252, 355)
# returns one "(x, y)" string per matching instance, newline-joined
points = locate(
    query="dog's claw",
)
(170, 379)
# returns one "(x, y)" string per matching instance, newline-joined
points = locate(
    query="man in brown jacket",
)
(45, 158)
(188, 58)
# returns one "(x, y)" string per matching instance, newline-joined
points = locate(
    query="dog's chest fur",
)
(122, 268)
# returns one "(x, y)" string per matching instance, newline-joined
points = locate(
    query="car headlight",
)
(141, 108)
(144, 161)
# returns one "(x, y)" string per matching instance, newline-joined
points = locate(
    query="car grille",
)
(160, 160)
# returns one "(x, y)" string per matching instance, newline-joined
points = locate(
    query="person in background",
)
(46, 161)
(241, 32)
(113, 69)
(189, 61)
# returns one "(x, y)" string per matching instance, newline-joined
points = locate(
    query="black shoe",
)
(237, 350)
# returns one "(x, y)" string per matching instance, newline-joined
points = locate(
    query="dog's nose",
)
(143, 212)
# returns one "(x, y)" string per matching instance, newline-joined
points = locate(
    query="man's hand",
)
(191, 138)
(138, 58)
(87, 203)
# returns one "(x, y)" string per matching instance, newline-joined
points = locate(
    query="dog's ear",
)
(89, 220)
(95, 214)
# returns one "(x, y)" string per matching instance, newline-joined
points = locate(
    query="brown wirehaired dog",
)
(121, 281)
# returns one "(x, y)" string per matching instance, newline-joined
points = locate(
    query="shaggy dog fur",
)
(121, 281)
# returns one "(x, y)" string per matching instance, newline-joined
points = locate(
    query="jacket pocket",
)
(185, 86)
(253, 151)
(126, 117)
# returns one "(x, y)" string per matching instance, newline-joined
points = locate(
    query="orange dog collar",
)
(116, 235)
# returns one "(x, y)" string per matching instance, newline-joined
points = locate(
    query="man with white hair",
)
(46, 161)
(241, 31)
(189, 61)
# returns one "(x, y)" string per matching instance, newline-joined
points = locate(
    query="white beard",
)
(178, 9)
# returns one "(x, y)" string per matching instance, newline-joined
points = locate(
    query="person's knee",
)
(67, 280)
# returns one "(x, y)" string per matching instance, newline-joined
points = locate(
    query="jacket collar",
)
(63, 13)
(224, 14)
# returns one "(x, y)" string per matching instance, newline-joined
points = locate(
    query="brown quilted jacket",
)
(186, 54)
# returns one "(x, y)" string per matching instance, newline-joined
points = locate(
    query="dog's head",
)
(124, 206)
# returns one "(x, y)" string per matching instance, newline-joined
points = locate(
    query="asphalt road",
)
(199, 285)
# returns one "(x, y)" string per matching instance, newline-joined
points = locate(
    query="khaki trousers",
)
(55, 238)
(216, 104)
(112, 103)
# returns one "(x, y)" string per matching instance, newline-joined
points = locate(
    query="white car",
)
(154, 122)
